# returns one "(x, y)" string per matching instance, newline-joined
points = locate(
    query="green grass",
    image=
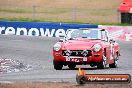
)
(19, 19)
(68, 21)
(31, 20)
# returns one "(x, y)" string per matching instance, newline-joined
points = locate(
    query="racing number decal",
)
(72, 59)
(111, 51)
(75, 60)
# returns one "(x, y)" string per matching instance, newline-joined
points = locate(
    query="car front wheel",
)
(102, 65)
(57, 65)
(114, 65)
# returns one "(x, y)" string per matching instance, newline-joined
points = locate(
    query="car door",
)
(107, 46)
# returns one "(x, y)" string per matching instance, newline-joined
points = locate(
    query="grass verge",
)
(65, 21)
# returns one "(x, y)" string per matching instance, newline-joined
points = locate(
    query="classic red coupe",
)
(86, 46)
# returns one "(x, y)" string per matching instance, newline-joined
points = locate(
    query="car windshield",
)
(90, 34)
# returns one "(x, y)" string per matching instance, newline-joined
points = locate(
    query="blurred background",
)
(83, 11)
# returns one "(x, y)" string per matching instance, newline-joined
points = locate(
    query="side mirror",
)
(112, 41)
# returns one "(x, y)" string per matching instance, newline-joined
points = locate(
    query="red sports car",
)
(86, 46)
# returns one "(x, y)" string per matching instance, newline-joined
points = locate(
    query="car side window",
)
(104, 35)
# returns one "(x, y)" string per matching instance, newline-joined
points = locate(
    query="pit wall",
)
(123, 33)
(60, 29)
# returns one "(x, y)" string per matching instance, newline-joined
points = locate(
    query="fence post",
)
(74, 14)
(33, 12)
(118, 17)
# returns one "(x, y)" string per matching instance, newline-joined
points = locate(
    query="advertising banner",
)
(39, 28)
(119, 32)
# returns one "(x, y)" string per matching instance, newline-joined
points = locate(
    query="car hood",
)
(79, 44)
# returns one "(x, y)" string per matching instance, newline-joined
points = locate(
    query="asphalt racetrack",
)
(37, 52)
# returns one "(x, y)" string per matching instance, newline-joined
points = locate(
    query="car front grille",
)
(77, 53)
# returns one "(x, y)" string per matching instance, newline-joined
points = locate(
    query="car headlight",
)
(97, 47)
(57, 47)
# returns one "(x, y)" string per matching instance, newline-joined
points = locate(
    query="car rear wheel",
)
(102, 65)
(57, 65)
(114, 65)
(72, 66)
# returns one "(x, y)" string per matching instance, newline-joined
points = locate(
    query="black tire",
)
(102, 65)
(114, 65)
(57, 65)
(72, 66)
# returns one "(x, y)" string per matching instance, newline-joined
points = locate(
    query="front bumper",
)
(96, 57)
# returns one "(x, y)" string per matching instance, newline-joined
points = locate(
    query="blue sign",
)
(39, 28)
